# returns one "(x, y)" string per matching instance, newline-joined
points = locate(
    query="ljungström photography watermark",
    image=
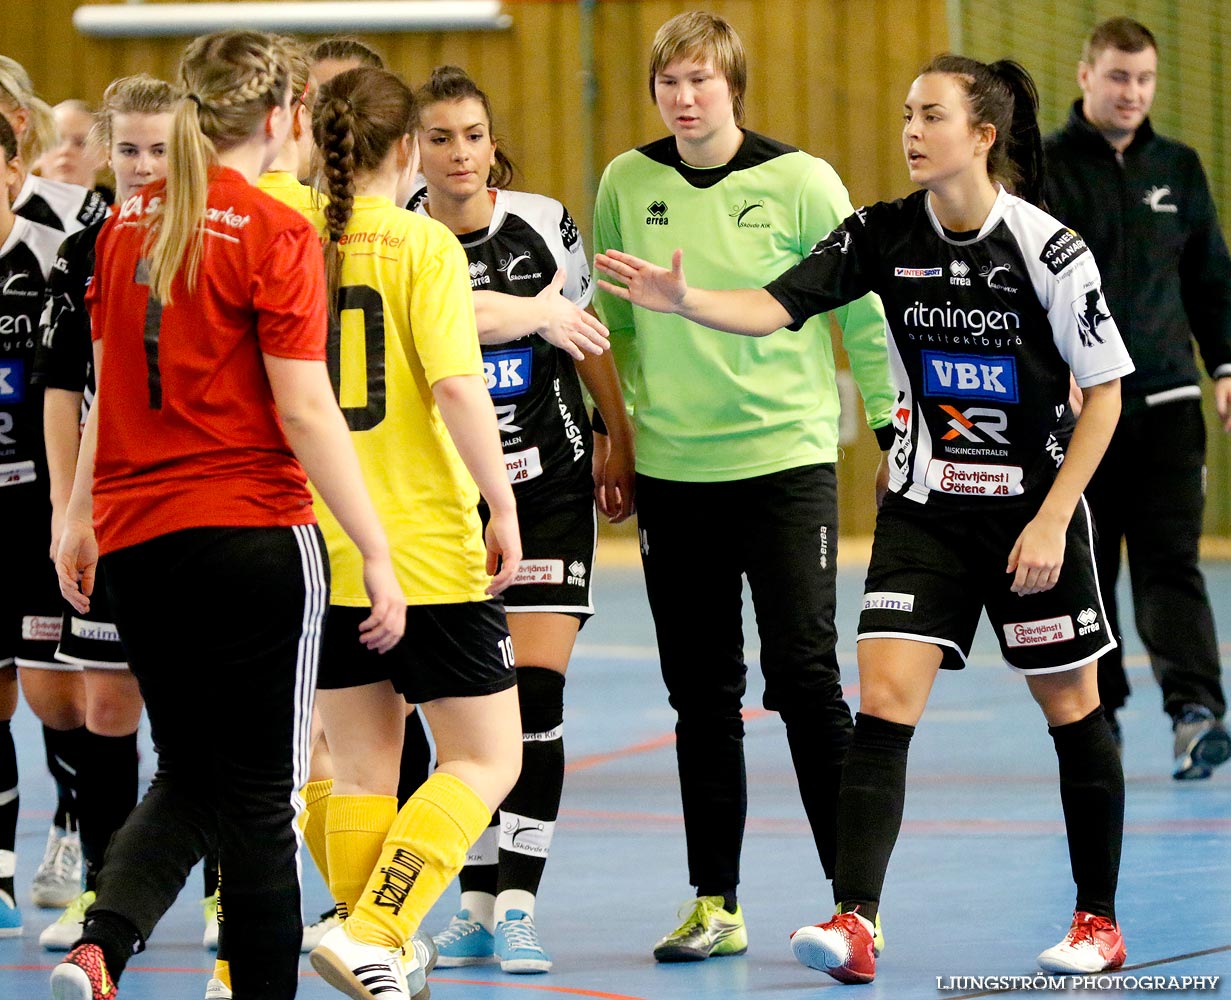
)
(1073, 984)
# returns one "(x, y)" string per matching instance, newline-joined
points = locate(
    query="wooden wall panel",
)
(826, 75)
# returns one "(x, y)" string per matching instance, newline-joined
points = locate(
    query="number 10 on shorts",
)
(505, 646)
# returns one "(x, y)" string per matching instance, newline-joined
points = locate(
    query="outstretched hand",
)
(642, 283)
(568, 326)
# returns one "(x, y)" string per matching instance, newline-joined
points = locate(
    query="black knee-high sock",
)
(106, 794)
(870, 811)
(482, 866)
(416, 762)
(9, 800)
(1092, 793)
(116, 936)
(65, 749)
(528, 813)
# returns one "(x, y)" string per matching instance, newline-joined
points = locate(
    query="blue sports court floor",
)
(979, 883)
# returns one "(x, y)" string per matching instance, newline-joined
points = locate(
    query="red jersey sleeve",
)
(289, 296)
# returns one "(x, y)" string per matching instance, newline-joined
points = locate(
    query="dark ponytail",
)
(333, 127)
(358, 117)
(1025, 139)
(1003, 95)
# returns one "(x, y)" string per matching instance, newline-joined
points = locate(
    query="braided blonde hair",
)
(230, 81)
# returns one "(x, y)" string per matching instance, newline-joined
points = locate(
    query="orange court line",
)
(570, 990)
(666, 740)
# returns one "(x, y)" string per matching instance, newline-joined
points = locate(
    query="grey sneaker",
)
(707, 930)
(1201, 743)
(417, 962)
(58, 879)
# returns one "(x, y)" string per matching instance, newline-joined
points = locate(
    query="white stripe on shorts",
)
(316, 601)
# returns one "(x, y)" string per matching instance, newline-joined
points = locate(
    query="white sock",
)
(513, 899)
(482, 907)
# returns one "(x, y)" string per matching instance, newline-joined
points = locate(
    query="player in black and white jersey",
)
(66, 207)
(531, 280)
(990, 303)
(29, 606)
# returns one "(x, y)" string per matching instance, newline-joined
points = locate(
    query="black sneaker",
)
(1201, 743)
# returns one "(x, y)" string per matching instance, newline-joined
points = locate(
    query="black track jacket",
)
(1149, 219)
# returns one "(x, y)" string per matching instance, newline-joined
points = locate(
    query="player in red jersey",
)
(208, 317)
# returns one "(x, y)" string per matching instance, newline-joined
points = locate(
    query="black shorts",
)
(448, 651)
(934, 570)
(557, 559)
(30, 601)
(92, 640)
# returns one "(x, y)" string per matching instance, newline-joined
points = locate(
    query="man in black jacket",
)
(1142, 204)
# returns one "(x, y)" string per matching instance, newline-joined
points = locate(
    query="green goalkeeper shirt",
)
(710, 406)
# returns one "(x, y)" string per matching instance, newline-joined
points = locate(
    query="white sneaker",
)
(216, 989)
(312, 933)
(58, 879)
(65, 932)
(360, 970)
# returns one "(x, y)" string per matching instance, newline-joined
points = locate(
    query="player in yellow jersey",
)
(404, 356)
(285, 179)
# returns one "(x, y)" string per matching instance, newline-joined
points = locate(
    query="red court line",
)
(1034, 827)
(666, 740)
(570, 990)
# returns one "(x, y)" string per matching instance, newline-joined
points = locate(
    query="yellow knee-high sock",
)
(424, 850)
(355, 831)
(312, 822)
(222, 972)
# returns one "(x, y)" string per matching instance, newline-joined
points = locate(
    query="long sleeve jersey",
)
(1148, 217)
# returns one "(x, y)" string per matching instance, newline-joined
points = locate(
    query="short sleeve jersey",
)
(406, 321)
(25, 262)
(284, 186)
(984, 330)
(188, 432)
(66, 356)
(57, 205)
(544, 429)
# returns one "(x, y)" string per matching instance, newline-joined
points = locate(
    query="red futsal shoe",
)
(83, 975)
(1093, 944)
(842, 947)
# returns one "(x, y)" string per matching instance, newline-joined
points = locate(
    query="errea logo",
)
(478, 274)
(658, 214)
(1088, 620)
(958, 269)
(577, 573)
